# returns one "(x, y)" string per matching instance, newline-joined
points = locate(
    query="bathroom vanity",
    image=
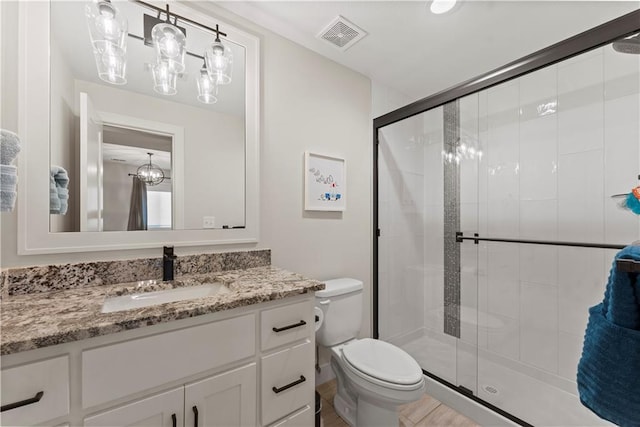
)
(241, 357)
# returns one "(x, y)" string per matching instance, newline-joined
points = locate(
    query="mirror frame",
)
(34, 236)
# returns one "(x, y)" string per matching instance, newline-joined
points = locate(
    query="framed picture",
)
(325, 183)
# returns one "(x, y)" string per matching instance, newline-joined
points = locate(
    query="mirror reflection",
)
(147, 120)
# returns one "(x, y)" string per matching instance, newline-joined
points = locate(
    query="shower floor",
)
(537, 397)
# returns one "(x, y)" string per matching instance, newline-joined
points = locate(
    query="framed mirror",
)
(134, 161)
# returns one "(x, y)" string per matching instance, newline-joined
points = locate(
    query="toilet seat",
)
(382, 364)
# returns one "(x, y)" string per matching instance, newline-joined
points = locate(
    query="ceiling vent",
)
(342, 33)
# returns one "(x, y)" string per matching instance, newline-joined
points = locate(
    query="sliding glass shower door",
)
(535, 159)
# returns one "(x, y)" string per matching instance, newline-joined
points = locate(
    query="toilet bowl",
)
(374, 377)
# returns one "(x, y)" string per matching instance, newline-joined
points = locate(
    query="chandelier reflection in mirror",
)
(149, 173)
(108, 29)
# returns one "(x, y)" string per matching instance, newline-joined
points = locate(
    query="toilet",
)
(374, 377)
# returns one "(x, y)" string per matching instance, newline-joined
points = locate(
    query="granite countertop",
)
(49, 318)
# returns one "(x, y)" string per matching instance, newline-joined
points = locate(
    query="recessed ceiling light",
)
(442, 6)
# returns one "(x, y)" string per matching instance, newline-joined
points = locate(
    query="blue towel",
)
(54, 201)
(59, 182)
(9, 146)
(7, 200)
(609, 369)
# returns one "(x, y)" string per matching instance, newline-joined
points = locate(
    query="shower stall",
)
(496, 223)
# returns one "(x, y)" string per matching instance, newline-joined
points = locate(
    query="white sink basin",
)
(146, 299)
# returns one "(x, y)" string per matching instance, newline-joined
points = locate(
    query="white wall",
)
(308, 103)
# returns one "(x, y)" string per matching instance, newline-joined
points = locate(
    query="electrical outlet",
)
(208, 221)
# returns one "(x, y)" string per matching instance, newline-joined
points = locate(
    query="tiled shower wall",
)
(555, 145)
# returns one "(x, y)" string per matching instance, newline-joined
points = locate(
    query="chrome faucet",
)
(167, 262)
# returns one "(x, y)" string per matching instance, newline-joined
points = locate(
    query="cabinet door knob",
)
(25, 402)
(195, 416)
(288, 386)
(284, 328)
(174, 420)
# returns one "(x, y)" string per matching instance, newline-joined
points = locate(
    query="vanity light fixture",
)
(150, 173)
(439, 7)
(219, 61)
(108, 30)
(207, 89)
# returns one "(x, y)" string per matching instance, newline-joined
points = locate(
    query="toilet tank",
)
(341, 305)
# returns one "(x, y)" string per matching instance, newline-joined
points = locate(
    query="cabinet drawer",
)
(287, 381)
(122, 369)
(303, 417)
(283, 325)
(23, 382)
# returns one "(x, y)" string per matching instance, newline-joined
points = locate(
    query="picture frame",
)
(325, 182)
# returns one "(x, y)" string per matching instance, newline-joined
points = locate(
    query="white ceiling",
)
(417, 53)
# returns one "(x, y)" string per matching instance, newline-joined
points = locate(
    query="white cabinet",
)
(38, 391)
(162, 410)
(225, 400)
(244, 367)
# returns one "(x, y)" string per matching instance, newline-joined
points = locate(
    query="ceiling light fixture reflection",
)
(206, 87)
(439, 7)
(150, 173)
(164, 79)
(219, 61)
(108, 30)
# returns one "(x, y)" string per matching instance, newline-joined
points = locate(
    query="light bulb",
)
(169, 45)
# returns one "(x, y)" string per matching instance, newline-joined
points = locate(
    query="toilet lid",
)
(383, 361)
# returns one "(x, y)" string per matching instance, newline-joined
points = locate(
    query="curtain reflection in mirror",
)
(138, 208)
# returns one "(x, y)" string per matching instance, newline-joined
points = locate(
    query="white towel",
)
(7, 200)
(9, 146)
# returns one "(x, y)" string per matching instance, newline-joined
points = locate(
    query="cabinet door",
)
(225, 400)
(162, 410)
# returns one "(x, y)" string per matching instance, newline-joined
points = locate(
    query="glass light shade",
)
(164, 79)
(107, 26)
(111, 65)
(219, 60)
(206, 88)
(171, 45)
(150, 173)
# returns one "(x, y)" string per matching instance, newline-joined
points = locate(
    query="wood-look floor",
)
(425, 412)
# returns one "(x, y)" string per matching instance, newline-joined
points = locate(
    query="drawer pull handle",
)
(284, 328)
(288, 386)
(25, 402)
(195, 414)
(174, 420)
